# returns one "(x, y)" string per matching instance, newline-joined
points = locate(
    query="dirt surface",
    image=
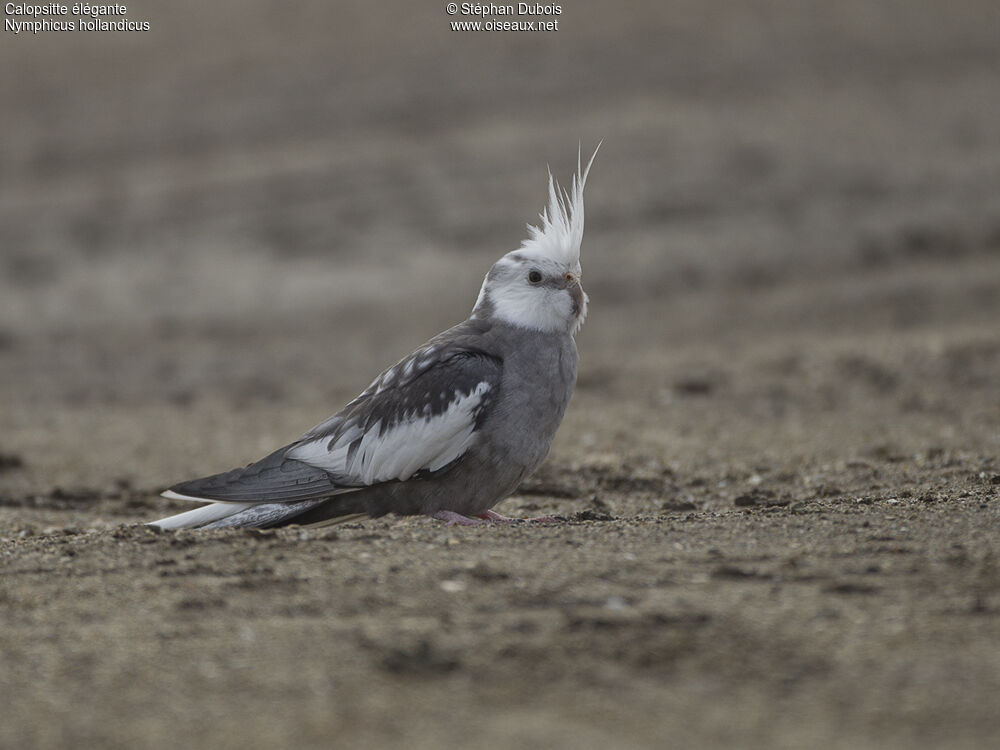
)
(780, 467)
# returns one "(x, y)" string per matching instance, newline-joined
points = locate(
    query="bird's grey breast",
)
(539, 374)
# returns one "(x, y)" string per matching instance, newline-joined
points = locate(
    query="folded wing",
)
(418, 418)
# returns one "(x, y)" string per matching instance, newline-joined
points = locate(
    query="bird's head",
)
(538, 285)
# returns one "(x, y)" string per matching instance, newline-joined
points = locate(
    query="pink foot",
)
(452, 518)
(497, 518)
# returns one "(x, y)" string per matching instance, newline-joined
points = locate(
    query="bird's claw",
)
(497, 518)
(451, 518)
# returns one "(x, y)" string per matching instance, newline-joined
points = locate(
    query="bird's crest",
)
(560, 232)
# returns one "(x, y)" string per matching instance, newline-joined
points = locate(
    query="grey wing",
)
(275, 478)
(416, 420)
(418, 417)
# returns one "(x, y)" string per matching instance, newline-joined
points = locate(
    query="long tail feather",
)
(194, 519)
(253, 515)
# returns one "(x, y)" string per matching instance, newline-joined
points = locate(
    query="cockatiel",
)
(448, 431)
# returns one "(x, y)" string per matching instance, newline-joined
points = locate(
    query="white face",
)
(535, 293)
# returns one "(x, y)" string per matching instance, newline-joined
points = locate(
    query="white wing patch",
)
(418, 442)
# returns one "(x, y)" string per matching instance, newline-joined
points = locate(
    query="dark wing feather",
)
(272, 479)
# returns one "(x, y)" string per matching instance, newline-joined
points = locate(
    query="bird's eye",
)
(534, 276)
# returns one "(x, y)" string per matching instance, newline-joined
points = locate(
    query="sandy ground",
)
(780, 467)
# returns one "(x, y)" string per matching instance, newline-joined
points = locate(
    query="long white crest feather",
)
(560, 232)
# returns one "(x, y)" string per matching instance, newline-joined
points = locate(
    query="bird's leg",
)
(452, 518)
(495, 517)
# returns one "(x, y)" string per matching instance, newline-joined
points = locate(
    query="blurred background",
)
(215, 233)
